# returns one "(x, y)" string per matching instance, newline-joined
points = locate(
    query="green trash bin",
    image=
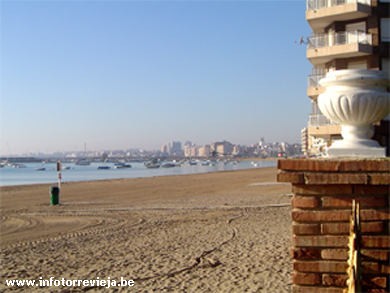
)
(54, 195)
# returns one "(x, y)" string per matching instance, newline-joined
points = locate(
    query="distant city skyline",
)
(135, 74)
(135, 149)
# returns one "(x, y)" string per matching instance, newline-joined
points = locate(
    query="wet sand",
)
(213, 232)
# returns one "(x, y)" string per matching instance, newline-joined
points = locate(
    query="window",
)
(386, 65)
(357, 65)
(385, 29)
(358, 26)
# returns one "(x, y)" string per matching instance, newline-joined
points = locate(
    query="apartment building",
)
(347, 34)
(204, 151)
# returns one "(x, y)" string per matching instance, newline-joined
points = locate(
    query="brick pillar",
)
(322, 204)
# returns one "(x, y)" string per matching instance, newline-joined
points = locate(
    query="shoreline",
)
(77, 174)
(131, 178)
(139, 189)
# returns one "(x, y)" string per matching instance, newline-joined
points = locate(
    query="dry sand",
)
(214, 232)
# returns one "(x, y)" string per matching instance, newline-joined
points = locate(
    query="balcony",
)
(314, 89)
(321, 13)
(322, 48)
(321, 127)
(316, 120)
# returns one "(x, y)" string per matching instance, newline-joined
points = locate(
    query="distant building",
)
(237, 150)
(222, 148)
(204, 151)
(164, 149)
(174, 147)
(187, 148)
(262, 142)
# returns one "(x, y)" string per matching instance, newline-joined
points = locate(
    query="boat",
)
(19, 165)
(122, 166)
(192, 163)
(168, 165)
(152, 166)
(66, 168)
(40, 169)
(82, 162)
(103, 167)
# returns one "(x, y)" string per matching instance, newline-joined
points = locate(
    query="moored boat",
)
(152, 166)
(122, 166)
(82, 162)
(168, 165)
(19, 165)
(103, 167)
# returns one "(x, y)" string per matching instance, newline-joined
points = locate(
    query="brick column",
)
(322, 204)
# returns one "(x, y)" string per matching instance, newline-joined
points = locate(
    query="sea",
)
(29, 175)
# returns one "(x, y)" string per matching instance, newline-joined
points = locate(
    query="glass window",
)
(385, 29)
(386, 65)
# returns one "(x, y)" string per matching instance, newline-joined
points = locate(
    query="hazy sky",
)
(137, 74)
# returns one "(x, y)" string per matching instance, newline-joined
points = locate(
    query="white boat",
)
(18, 166)
(40, 169)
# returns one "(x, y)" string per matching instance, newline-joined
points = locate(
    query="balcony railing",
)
(318, 4)
(313, 80)
(340, 38)
(319, 120)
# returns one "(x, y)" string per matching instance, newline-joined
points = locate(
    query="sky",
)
(137, 74)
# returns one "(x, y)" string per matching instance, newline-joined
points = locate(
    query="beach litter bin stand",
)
(54, 195)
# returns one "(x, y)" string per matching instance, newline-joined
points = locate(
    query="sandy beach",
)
(212, 232)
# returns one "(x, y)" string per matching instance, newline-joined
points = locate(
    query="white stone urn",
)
(355, 99)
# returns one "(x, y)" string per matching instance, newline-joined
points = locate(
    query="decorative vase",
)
(355, 99)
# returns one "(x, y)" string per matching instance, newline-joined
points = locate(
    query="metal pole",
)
(59, 167)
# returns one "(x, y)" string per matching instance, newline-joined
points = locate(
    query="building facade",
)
(347, 34)
(204, 151)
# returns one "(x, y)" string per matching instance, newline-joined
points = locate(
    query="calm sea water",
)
(22, 176)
